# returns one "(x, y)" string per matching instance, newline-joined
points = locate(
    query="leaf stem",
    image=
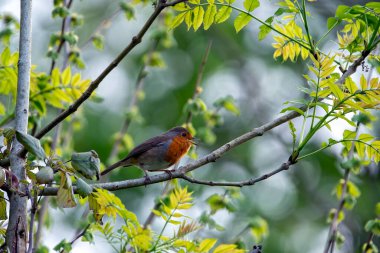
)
(304, 19)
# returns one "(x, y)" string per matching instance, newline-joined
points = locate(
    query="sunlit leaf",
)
(241, 21)
(209, 16)
(223, 14)
(251, 5)
(198, 13)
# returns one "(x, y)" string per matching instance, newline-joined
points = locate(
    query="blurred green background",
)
(295, 203)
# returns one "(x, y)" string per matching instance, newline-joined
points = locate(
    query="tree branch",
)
(252, 181)
(94, 84)
(16, 235)
(212, 157)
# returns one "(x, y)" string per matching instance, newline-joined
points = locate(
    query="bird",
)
(157, 153)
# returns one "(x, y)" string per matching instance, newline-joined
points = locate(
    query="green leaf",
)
(223, 14)
(83, 188)
(98, 41)
(31, 144)
(209, 16)
(331, 21)
(373, 5)
(373, 226)
(292, 108)
(3, 207)
(198, 13)
(251, 5)
(227, 103)
(264, 31)
(241, 21)
(216, 202)
(377, 209)
(331, 215)
(45, 175)
(86, 163)
(259, 228)
(341, 11)
(63, 246)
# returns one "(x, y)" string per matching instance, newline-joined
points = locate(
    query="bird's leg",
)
(147, 178)
(169, 172)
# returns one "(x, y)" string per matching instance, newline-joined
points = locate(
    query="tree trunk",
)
(16, 237)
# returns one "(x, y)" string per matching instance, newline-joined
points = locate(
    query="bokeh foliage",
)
(287, 212)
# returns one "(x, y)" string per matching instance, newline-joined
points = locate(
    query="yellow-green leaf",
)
(181, 7)
(188, 19)
(350, 85)
(206, 244)
(156, 212)
(55, 77)
(76, 79)
(228, 248)
(177, 215)
(2, 109)
(209, 16)
(174, 222)
(363, 82)
(241, 21)
(177, 20)
(198, 13)
(365, 137)
(3, 207)
(250, 5)
(66, 76)
(185, 206)
(336, 90)
(223, 14)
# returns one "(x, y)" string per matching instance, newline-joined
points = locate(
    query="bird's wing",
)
(146, 145)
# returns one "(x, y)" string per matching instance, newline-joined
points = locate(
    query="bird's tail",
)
(114, 166)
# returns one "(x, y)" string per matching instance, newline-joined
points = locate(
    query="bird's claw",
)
(147, 180)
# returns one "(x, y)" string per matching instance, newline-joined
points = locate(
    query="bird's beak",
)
(194, 141)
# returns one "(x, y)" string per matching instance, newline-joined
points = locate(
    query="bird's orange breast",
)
(177, 148)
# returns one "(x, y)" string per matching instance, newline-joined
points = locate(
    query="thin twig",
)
(252, 181)
(368, 244)
(61, 39)
(78, 236)
(100, 27)
(133, 102)
(199, 79)
(330, 243)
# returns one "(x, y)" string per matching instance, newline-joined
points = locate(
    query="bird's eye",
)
(184, 134)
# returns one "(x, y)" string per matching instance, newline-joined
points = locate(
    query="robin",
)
(157, 153)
